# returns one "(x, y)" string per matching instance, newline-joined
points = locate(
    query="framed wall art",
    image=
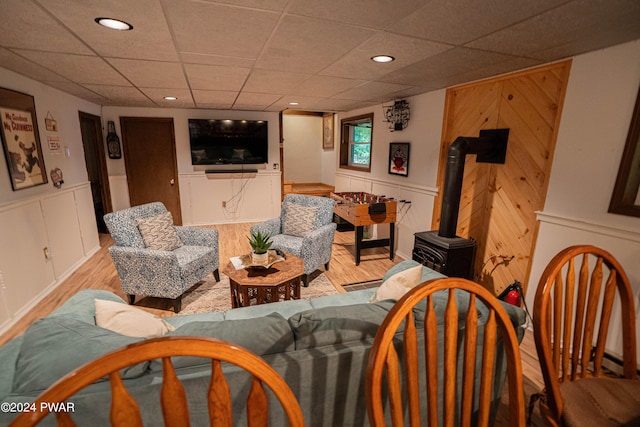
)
(399, 158)
(327, 131)
(625, 199)
(21, 140)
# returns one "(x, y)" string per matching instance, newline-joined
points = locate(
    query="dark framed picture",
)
(21, 140)
(399, 158)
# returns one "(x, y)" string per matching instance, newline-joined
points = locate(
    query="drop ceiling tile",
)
(119, 95)
(151, 73)
(367, 13)
(594, 41)
(227, 61)
(149, 39)
(78, 68)
(325, 86)
(304, 102)
(449, 63)
(357, 63)
(460, 21)
(276, 82)
(213, 77)
(331, 104)
(77, 90)
(27, 26)
(157, 95)
(573, 21)
(372, 91)
(262, 100)
(496, 69)
(218, 29)
(309, 45)
(217, 99)
(26, 67)
(273, 5)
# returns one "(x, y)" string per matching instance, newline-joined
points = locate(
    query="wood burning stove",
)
(442, 250)
(451, 256)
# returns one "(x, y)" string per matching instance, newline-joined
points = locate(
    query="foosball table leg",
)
(392, 235)
(359, 236)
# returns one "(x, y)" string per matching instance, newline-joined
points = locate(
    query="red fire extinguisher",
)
(512, 294)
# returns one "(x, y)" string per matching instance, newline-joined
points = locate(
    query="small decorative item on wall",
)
(21, 140)
(399, 158)
(113, 142)
(50, 123)
(56, 177)
(327, 131)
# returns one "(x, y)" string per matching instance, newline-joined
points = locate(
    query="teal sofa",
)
(319, 346)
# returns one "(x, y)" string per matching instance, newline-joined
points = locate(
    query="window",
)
(355, 142)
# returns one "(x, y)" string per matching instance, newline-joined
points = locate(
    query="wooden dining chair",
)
(125, 410)
(386, 373)
(572, 315)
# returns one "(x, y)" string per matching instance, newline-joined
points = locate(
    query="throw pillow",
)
(398, 284)
(130, 321)
(158, 232)
(299, 220)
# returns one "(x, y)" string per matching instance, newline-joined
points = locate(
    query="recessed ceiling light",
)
(294, 103)
(383, 58)
(170, 98)
(114, 24)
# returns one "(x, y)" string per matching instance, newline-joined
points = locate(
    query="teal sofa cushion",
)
(8, 356)
(335, 325)
(267, 335)
(81, 305)
(56, 345)
(284, 308)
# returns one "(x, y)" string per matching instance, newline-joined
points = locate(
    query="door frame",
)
(103, 173)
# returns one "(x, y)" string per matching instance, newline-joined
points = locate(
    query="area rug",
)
(211, 296)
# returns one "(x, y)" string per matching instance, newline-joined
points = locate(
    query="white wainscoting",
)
(44, 240)
(557, 232)
(247, 197)
(411, 217)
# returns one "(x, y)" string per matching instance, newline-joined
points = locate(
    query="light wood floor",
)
(99, 273)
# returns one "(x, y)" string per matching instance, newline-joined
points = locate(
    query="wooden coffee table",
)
(260, 285)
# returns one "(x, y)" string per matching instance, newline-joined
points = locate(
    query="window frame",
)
(346, 142)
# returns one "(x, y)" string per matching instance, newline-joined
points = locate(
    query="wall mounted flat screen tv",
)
(221, 142)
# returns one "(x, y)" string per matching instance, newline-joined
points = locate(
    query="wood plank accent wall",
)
(498, 202)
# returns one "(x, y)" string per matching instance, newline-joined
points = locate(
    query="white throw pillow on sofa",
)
(398, 284)
(130, 321)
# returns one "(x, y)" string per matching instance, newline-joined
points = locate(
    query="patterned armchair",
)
(165, 272)
(305, 228)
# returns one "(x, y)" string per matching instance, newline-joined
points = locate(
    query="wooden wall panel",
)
(499, 201)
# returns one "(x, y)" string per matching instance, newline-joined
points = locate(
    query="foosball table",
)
(360, 209)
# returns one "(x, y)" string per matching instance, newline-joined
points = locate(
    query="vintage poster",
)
(22, 148)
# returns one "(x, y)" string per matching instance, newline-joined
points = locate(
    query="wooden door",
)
(91, 130)
(149, 150)
(499, 201)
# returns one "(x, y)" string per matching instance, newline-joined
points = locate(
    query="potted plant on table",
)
(260, 243)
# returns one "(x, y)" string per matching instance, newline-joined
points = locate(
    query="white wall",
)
(196, 195)
(423, 133)
(602, 91)
(64, 109)
(599, 102)
(302, 148)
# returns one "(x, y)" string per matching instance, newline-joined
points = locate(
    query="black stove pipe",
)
(454, 173)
